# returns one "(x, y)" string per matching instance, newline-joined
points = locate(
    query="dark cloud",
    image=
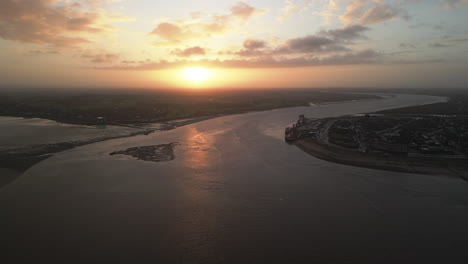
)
(251, 52)
(312, 44)
(438, 45)
(407, 46)
(101, 57)
(252, 48)
(326, 41)
(348, 33)
(252, 44)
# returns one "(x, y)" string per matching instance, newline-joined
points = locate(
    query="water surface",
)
(236, 193)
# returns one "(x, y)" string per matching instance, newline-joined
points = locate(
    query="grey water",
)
(235, 193)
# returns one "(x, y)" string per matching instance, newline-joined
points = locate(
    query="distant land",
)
(136, 107)
(457, 105)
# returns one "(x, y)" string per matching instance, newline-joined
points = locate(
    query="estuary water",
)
(16, 133)
(236, 193)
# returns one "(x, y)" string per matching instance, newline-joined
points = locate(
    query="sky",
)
(234, 44)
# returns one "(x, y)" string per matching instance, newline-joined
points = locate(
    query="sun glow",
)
(197, 75)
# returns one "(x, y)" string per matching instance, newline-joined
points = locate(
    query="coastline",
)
(427, 166)
(18, 161)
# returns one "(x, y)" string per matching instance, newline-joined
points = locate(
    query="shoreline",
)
(426, 165)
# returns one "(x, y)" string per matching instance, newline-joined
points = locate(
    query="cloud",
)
(349, 58)
(38, 52)
(354, 10)
(51, 22)
(457, 41)
(192, 51)
(372, 12)
(243, 10)
(455, 3)
(438, 45)
(326, 47)
(172, 32)
(180, 31)
(447, 43)
(83, 24)
(202, 25)
(310, 44)
(292, 8)
(381, 13)
(347, 33)
(325, 41)
(252, 44)
(407, 46)
(100, 57)
(252, 48)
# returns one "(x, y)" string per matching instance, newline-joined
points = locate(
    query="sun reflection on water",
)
(198, 148)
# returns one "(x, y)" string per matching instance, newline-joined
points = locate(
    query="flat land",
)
(132, 107)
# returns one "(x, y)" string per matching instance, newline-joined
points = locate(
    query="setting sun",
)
(197, 75)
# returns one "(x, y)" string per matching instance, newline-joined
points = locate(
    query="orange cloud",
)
(371, 12)
(52, 22)
(192, 51)
(243, 10)
(326, 47)
(348, 58)
(201, 25)
(172, 32)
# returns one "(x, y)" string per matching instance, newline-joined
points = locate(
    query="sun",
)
(197, 75)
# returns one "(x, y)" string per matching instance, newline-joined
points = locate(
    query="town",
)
(411, 140)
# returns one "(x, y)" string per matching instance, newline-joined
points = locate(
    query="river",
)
(236, 193)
